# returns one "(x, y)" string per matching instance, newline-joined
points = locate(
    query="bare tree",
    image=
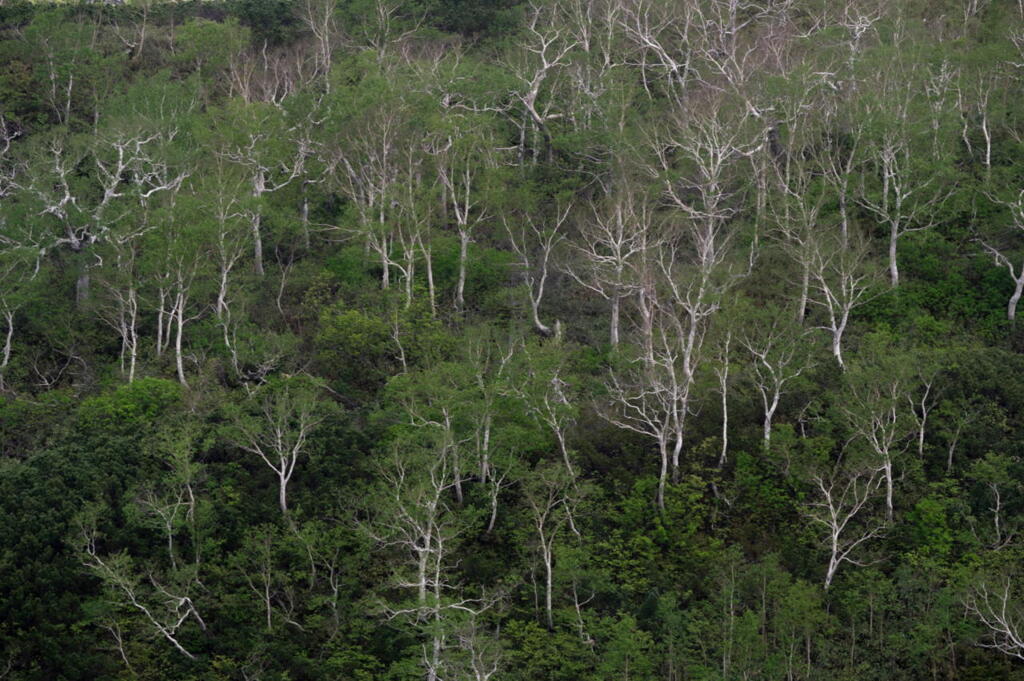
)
(538, 65)
(683, 283)
(904, 201)
(368, 170)
(901, 186)
(382, 30)
(610, 242)
(546, 396)
(649, 395)
(462, 160)
(1003, 253)
(166, 608)
(278, 432)
(481, 650)
(179, 257)
(417, 521)
(996, 608)
(875, 410)
(778, 358)
(122, 314)
(798, 186)
(552, 495)
(132, 171)
(659, 33)
(995, 474)
(842, 500)
(319, 18)
(14, 273)
(841, 281)
(270, 159)
(534, 240)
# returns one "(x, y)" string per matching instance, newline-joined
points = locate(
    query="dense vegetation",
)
(478, 339)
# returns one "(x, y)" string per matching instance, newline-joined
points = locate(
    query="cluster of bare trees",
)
(707, 156)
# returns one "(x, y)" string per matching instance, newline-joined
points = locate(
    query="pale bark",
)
(843, 497)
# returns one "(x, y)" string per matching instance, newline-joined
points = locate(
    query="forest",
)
(511, 340)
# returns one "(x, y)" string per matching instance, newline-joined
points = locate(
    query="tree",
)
(1002, 249)
(414, 517)
(534, 239)
(610, 242)
(995, 474)
(259, 142)
(876, 412)
(778, 357)
(841, 281)
(176, 258)
(547, 397)
(552, 495)
(993, 604)
(841, 506)
(15, 273)
(276, 423)
(131, 167)
(464, 157)
(537, 66)
(320, 18)
(904, 190)
(161, 592)
(368, 169)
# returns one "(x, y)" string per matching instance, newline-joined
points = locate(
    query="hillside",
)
(496, 340)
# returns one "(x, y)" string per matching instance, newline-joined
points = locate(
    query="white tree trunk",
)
(1011, 308)
(179, 362)
(894, 271)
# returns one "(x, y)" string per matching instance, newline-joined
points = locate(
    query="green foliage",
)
(131, 406)
(232, 237)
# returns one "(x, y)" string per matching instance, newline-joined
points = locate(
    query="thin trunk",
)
(677, 448)
(616, 304)
(887, 469)
(996, 512)
(837, 348)
(805, 286)
(894, 272)
(1011, 308)
(565, 452)
(548, 569)
(133, 336)
(922, 424)
(723, 386)
(460, 287)
(542, 328)
(485, 450)
(494, 507)
(257, 240)
(724, 382)
(410, 273)
(177, 339)
(663, 474)
(952, 447)
(422, 572)
(305, 217)
(428, 261)
(8, 338)
(833, 564)
(160, 324)
(843, 218)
